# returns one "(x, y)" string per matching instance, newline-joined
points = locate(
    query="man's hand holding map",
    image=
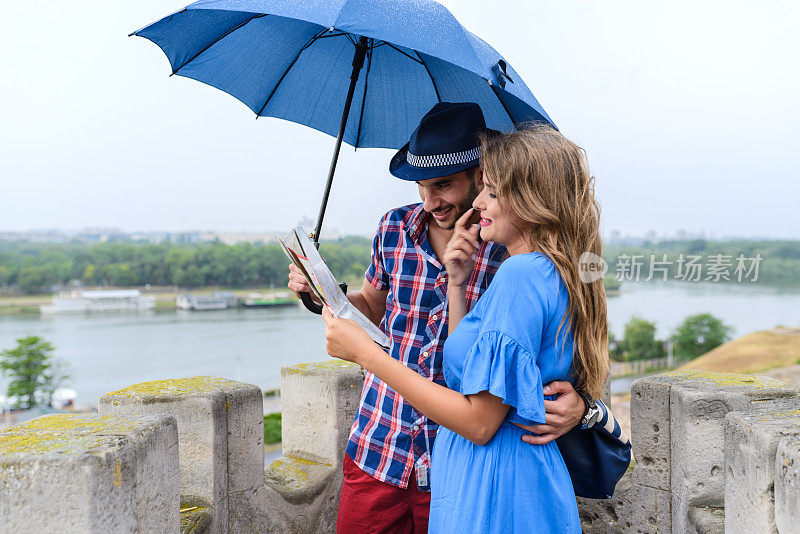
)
(299, 248)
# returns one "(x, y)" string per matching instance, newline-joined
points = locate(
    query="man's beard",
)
(461, 207)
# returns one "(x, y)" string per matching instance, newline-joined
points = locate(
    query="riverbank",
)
(164, 298)
(108, 351)
(28, 305)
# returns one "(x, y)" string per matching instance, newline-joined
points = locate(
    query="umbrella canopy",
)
(293, 59)
(311, 61)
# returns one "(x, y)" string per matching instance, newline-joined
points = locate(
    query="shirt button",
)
(416, 427)
(435, 317)
(425, 354)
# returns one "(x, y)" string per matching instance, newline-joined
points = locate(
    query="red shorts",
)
(369, 506)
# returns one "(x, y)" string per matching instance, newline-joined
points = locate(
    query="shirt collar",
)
(415, 222)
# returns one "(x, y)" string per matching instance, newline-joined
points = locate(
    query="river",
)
(107, 352)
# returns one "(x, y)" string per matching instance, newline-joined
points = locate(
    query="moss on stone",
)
(770, 417)
(175, 387)
(286, 472)
(728, 379)
(195, 515)
(64, 433)
(291, 472)
(331, 365)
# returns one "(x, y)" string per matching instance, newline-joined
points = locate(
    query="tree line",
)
(37, 268)
(40, 267)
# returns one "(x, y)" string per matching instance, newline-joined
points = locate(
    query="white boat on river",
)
(99, 301)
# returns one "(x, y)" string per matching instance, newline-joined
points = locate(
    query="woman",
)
(536, 323)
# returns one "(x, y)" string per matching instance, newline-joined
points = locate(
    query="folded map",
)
(300, 249)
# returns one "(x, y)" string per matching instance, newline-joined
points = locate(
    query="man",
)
(386, 483)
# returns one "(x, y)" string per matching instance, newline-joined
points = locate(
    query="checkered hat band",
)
(443, 160)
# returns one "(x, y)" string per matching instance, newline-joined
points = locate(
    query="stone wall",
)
(714, 453)
(90, 473)
(706, 458)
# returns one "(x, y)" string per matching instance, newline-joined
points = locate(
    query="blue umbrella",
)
(309, 61)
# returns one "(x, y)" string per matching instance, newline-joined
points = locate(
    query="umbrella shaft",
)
(358, 63)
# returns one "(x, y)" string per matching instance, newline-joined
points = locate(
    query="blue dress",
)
(507, 345)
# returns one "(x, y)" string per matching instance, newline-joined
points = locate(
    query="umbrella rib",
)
(494, 89)
(332, 35)
(215, 41)
(364, 98)
(309, 43)
(409, 56)
(438, 97)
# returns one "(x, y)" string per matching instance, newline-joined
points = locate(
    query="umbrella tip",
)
(132, 33)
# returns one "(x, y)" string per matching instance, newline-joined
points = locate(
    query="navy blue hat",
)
(445, 142)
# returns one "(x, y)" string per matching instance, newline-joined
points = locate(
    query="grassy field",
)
(24, 305)
(272, 428)
(753, 353)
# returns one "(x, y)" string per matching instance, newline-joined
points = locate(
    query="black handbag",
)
(597, 457)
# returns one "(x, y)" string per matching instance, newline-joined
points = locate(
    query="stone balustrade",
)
(703, 443)
(714, 452)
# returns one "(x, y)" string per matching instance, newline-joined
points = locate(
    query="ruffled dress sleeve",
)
(498, 364)
(512, 315)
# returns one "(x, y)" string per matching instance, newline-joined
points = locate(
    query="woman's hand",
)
(344, 339)
(459, 257)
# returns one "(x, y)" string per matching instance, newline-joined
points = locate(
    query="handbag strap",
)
(609, 423)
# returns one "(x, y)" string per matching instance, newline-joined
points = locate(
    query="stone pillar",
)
(787, 485)
(90, 473)
(642, 501)
(699, 402)
(220, 434)
(751, 443)
(650, 438)
(319, 402)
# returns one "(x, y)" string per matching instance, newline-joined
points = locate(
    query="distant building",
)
(233, 238)
(102, 235)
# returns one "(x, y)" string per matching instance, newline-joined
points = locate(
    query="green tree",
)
(611, 284)
(33, 279)
(89, 274)
(639, 341)
(698, 334)
(190, 277)
(615, 350)
(32, 370)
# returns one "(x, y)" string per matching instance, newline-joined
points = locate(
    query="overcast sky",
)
(688, 111)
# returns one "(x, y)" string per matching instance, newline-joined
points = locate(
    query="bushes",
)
(695, 336)
(639, 341)
(698, 334)
(272, 428)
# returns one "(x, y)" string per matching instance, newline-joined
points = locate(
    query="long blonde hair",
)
(543, 178)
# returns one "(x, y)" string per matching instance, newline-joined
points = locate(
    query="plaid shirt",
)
(389, 438)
